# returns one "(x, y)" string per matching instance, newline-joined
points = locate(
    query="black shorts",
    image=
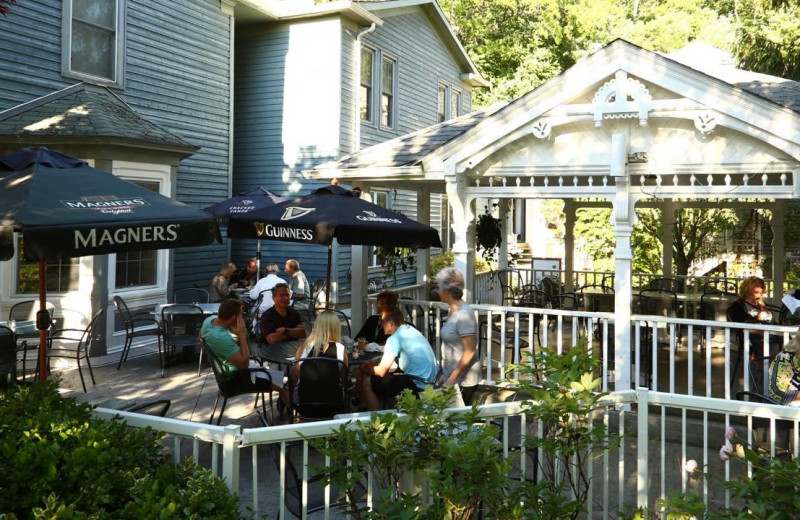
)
(393, 385)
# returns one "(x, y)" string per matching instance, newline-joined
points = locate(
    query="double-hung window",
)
(448, 103)
(378, 88)
(93, 40)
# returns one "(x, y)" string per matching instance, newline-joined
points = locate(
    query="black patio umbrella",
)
(333, 212)
(243, 204)
(64, 208)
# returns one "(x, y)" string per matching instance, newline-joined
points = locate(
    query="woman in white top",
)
(327, 329)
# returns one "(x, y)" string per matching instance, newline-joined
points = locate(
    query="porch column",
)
(623, 218)
(569, 245)
(463, 226)
(778, 250)
(668, 234)
(502, 214)
(424, 216)
(359, 271)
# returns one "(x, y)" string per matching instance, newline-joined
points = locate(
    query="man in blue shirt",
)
(414, 358)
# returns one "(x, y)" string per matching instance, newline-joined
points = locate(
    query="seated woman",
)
(372, 330)
(219, 289)
(324, 341)
(750, 308)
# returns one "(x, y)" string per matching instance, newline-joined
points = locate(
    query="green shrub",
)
(59, 461)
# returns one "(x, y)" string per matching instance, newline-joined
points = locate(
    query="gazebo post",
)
(463, 223)
(569, 245)
(623, 218)
(502, 214)
(359, 269)
(668, 235)
(423, 255)
(778, 250)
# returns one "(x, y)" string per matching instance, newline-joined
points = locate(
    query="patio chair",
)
(318, 294)
(761, 426)
(654, 302)
(315, 486)
(510, 282)
(137, 325)
(157, 408)
(27, 311)
(415, 315)
(180, 325)
(345, 321)
(321, 388)
(74, 344)
(191, 295)
(226, 391)
(8, 357)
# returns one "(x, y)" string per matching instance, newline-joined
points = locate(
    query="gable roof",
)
(419, 148)
(437, 18)
(86, 112)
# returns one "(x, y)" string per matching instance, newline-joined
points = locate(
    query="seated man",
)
(414, 357)
(281, 326)
(298, 284)
(268, 282)
(246, 277)
(218, 333)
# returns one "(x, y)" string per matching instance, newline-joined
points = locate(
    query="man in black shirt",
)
(281, 326)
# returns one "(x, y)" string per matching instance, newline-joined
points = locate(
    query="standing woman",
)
(459, 336)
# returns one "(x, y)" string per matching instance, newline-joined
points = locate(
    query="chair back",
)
(345, 322)
(666, 284)
(596, 298)
(28, 311)
(124, 312)
(320, 388)
(658, 302)
(8, 357)
(510, 281)
(218, 369)
(158, 408)
(82, 337)
(181, 323)
(191, 295)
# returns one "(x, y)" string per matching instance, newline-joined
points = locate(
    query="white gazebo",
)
(626, 126)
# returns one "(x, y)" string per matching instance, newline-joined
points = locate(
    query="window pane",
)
(366, 67)
(97, 12)
(386, 110)
(62, 276)
(387, 78)
(93, 50)
(456, 102)
(137, 268)
(442, 101)
(365, 93)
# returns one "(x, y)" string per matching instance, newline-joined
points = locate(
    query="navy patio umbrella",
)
(64, 208)
(333, 212)
(242, 205)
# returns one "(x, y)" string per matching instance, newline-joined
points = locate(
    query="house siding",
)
(176, 75)
(288, 118)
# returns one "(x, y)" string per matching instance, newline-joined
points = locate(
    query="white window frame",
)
(132, 171)
(455, 96)
(371, 118)
(373, 261)
(393, 106)
(445, 108)
(66, 48)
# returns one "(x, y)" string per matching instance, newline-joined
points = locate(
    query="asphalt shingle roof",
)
(84, 111)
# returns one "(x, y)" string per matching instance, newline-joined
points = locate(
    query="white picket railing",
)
(659, 430)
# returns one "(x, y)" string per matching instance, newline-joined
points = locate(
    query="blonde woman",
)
(324, 341)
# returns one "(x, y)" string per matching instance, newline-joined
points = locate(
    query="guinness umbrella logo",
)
(293, 212)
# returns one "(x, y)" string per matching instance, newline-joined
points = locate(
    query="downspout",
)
(357, 75)
(358, 280)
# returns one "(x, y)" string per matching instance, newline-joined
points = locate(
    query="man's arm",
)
(382, 368)
(241, 358)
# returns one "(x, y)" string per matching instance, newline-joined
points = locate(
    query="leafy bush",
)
(59, 461)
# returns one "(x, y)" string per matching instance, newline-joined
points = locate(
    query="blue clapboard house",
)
(199, 99)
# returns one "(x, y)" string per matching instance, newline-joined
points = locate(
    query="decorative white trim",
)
(622, 98)
(705, 122)
(541, 129)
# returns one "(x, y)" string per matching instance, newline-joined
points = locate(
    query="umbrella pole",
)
(42, 331)
(328, 283)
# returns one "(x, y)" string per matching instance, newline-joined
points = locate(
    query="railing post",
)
(230, 457)
(642, 411)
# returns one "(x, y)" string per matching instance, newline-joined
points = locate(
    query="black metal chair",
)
(315, 485)
(321, 389)
(8, 357)
(27, 311)
(761, 426)
(137, 325)
(191, 295)
(654, 302)
(510, 281)
(227, 391)
(74, 344)
(157, 408)
(180, 325)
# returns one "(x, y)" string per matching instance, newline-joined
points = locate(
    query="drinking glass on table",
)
(362, 344)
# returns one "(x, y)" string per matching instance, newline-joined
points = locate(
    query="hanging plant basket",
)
(488, 235)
